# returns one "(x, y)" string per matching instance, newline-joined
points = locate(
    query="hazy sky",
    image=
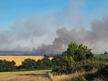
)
(27, 24)
(11, 10)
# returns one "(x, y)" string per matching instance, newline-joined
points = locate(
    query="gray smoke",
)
(96, 38)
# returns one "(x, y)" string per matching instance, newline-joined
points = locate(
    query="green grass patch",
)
(101, 56)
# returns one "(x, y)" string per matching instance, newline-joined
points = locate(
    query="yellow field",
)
(19, 59)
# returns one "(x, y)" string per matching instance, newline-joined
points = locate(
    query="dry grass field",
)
(69, 77)
(19, 59)
(40, 75)
(64, 77)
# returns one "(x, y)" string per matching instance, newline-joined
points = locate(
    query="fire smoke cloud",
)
(96, 38)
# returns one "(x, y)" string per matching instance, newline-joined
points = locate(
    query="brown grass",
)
(25, 76)
(65, 77)
(19, 59)
(40, 75)
(69, 77)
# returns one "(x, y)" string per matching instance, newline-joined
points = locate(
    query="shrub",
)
(7, 65)
(44, 63)
(103, 72)
(28, 64)
(71, 60)
(78, 52)
(80, 78)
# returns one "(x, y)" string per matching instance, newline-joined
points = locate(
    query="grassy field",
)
(102, 56)
(69, 77)
(19, 59)
(40, 75)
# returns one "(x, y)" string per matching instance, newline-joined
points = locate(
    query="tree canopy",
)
(66, 63)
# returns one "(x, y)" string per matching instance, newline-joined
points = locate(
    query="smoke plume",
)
(52, 32)
(96, 38)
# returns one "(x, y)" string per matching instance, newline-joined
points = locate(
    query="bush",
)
(78, 52)
(103, 72)
(80, 78)
(7, 66)
(28, 64)
(44, 63)
(71, 60)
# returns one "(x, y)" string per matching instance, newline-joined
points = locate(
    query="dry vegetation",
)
(69, 77)
(25, 76)
(41, 75)
(19, 59)
(64, 77)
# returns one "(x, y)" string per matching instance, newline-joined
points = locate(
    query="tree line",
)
(27, 64)
(66, 62)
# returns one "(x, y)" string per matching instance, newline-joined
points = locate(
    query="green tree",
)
(44, 63)
(7, 65)
(78, 52)
(71, 50)
(29, 64)
(67, 62)
(105, 52)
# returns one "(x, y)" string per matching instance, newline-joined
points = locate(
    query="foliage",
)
(100, 75)
(80, 78)
(71, 60)
(7, 65)
(105, 52)
(103, 72)
(44, 63)
(28, 64)
(78, 52)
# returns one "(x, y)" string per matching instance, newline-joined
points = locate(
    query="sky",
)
(34, 24)
(11, 10)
